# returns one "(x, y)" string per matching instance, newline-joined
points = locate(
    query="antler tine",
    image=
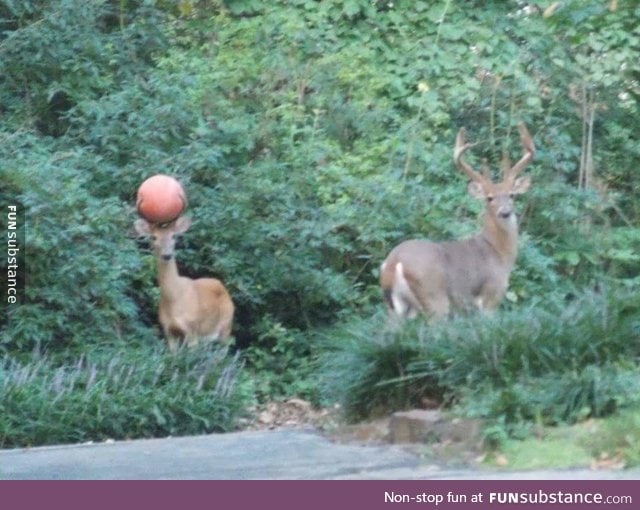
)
(486, 171)
(505, 163)
(459, 150)
(529, 152)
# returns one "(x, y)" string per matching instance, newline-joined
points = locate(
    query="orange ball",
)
(161, 199)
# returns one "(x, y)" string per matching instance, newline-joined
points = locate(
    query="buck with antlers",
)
(435, 279)
(189, 310)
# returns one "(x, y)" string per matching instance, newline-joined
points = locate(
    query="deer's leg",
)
(437, 308)
(401, 298)
(191, 340)
(173, 343)
(224, 330)
(175, 337)
(490, 297)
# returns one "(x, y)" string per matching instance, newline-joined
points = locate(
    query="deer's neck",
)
(502, 237)
(168, 278)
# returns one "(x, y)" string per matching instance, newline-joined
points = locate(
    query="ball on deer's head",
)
(161, 199)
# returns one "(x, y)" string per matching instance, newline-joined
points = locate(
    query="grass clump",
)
(365, 367)
(551, 363)
(119, 394)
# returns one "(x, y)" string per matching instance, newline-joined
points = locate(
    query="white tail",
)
(420, 276)
(189, 310)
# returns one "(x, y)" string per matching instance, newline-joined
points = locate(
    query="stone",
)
(413, 426)
(432, 426)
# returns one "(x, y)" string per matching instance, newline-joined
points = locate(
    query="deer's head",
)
(163, 237)
(498, 196)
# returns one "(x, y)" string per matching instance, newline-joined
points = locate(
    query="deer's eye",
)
(490, 198)
(511, 195)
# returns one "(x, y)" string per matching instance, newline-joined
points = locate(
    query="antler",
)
(529, 152)
(458, 151)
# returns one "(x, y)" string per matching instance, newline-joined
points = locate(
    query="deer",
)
(190, 310)
(436, 279)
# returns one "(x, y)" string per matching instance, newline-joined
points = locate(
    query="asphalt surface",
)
(285, 454)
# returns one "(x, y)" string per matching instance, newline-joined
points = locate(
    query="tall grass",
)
(118, 394)
(365, 368)
(552, 362)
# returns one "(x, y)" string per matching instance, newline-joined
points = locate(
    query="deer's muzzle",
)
(505, 212)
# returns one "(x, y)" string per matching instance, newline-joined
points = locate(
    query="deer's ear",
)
(475, 190)
(521, 185)
(142, 227)
(182, 225)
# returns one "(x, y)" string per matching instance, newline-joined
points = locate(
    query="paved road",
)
(288, 454)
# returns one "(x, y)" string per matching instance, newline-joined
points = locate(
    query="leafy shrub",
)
(280, 363)
(58, 52)
(310, 144)
(81, 262)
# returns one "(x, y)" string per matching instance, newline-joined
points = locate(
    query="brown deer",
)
(189, 310)
(435, 279)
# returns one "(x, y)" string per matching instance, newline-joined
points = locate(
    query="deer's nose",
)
(166, 256)
(505, 212)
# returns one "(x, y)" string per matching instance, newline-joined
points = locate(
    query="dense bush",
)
(553, 362)
(302, 168)
(81, 262)
(59, 52)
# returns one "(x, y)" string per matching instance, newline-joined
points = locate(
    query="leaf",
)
(624, 255)
(160, 419)
(351, 8)
(570, 257)
(548, 12)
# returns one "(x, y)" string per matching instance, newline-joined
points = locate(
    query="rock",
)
(432, 426)
(464, 430)
(375, 431)
(501, 460)
(294, 412)
(266, 418)
(299, 403)
(413, 426)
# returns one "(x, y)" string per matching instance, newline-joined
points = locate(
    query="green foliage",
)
(56, 53)
(280, 364)
(118, 394)
(81, 264)
(361, 367)
(550, 363)
(311, 137)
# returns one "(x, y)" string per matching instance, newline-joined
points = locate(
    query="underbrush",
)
(280, 364)
(550, 363)
(121, 393)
